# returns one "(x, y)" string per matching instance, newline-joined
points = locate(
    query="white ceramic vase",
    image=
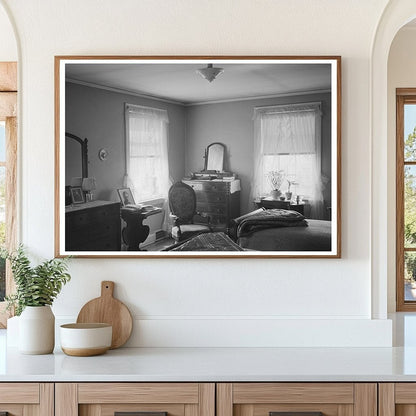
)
(37, 330)
(275, 193)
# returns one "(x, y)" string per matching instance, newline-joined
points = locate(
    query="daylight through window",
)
(147, 153)
(288, 147)
(406, 201)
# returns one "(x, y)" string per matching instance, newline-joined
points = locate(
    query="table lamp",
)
(89, 185)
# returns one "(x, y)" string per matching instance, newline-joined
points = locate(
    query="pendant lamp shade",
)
(209, 73)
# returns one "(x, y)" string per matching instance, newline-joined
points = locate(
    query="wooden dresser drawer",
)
(105, 399)
(209, 186)
(264, 399)
(218, 209)
(211, 197)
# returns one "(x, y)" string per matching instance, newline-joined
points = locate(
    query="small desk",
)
(135, 232)
(270, 203)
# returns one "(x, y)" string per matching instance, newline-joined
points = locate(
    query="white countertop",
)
(221, 364)
(214, 364)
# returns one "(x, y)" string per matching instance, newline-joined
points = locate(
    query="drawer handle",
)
(296, 414)
(140, 413)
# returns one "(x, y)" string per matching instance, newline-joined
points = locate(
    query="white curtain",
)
(147, 166)
(288, 138)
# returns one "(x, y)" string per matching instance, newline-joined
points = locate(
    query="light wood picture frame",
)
(249, 104)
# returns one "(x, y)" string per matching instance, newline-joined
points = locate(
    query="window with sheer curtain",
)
(288, 139)
(147, 168)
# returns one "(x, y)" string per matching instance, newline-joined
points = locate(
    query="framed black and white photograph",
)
(77, 195)
(126, 197)
(206, 156)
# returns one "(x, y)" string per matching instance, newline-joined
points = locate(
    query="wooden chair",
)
(187, 221)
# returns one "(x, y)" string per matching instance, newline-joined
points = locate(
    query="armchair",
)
(182, 205)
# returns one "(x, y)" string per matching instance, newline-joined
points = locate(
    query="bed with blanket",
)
(264, 230)
(281, 230)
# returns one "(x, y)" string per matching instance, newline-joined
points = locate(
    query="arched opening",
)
(396, 15)
(401, 123)
(8, 150)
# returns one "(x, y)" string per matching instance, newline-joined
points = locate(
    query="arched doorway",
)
(397, 14)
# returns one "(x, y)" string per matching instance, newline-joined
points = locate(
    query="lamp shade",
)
(209, 73)
(88, 184)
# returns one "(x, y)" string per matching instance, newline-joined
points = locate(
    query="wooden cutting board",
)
(107, 309)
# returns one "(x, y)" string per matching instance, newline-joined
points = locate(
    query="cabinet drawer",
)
(105, 399)
(21, 399)
(397, 399)
(217, 209)
(211, 197)
(92, 218)
(263, 399)
(209, 186)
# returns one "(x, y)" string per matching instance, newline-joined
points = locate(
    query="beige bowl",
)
(83, 340)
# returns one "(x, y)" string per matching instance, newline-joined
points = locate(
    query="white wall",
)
(8, 46)
(401, 74)
(215, 302)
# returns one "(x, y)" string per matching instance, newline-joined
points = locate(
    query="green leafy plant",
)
(35, 285)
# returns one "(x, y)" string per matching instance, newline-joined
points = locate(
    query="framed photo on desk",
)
(77, 196)
(126, 197)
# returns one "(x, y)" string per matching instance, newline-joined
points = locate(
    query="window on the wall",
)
(288, 142)
(147, 168)
(406, 200)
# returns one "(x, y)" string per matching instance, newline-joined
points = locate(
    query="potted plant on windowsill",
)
(36, 289)
(275, 179)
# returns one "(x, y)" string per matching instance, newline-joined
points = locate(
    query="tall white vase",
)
(37, 330)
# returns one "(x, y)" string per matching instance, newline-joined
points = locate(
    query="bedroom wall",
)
(214, 302)
(401, 74)
(231, 123)
(98, 115)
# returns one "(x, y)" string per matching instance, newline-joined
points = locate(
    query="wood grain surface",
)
(107, 309)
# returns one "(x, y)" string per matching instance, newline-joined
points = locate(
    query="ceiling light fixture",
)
(210, 73)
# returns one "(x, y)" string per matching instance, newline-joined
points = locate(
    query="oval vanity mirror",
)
(215, 157)
(77, 156)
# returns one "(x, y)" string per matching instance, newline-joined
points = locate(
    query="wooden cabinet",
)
(93, 226)
(264, 399)
(220, 200)
(105, 399)
(27, 399)
(397, 399)
(208, 399)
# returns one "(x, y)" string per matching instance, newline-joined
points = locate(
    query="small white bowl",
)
(83, 340)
